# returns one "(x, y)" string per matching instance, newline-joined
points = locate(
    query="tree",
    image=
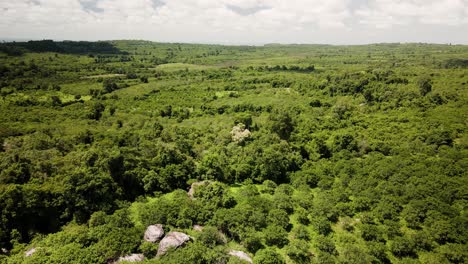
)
(56, 101)
(214, 195)
(402, 247)
(210, 237)
(343, 141)
(424, 85)
(275, 161)
(253, 241)
(325, 244)
(299, 251)
(275, 235)
(282, 124)
(243, 118)
(342, 109)
(109, 86)
(378, 251)
(96, 111)
(368, 96)
(321, 225)
(269, 186)
(268, 256)
(86, 194)
(352, 254)
(149, 249)
(302, 216)
(454, 253)
(212, 166)
(370, 232)
(278, 217)
(284, 202)
(302, 233)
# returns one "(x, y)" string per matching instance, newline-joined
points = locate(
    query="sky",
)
(238, 21)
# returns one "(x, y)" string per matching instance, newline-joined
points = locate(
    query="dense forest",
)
(263, 154)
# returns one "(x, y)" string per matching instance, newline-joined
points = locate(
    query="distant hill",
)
(71, 47)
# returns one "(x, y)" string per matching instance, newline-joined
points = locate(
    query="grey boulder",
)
(30, 252)
(240, 254)
(131, 258)
(154, 233)
(172, 240)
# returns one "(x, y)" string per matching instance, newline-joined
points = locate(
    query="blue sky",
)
(238, 21)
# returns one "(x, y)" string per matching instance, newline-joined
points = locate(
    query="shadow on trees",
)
(66, 47)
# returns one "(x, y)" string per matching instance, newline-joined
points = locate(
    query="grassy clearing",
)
(172, 67)
(109, 75)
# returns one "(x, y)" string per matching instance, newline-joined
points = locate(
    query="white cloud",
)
(222, 20)
(387, 13)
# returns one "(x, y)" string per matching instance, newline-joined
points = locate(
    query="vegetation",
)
(310, 153)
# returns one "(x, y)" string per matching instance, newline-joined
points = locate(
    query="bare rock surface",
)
(173, 239)
(30, 252)
(240, 254)
(154, 233)
(131, 258)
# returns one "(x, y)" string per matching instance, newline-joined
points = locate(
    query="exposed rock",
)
(194, 185)
(30, 252)
(154, 233)
(239, 133)
(173, 239)
(240, 254)
(198, 228)
(131, 258)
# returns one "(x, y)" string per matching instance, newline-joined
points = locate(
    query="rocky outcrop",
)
(172, 240)
(30, 252)
(131, 258)
(240, 254)
(154, 233)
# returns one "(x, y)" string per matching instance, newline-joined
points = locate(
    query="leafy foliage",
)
(356, 158)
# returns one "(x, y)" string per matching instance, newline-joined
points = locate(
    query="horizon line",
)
(221, 43)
